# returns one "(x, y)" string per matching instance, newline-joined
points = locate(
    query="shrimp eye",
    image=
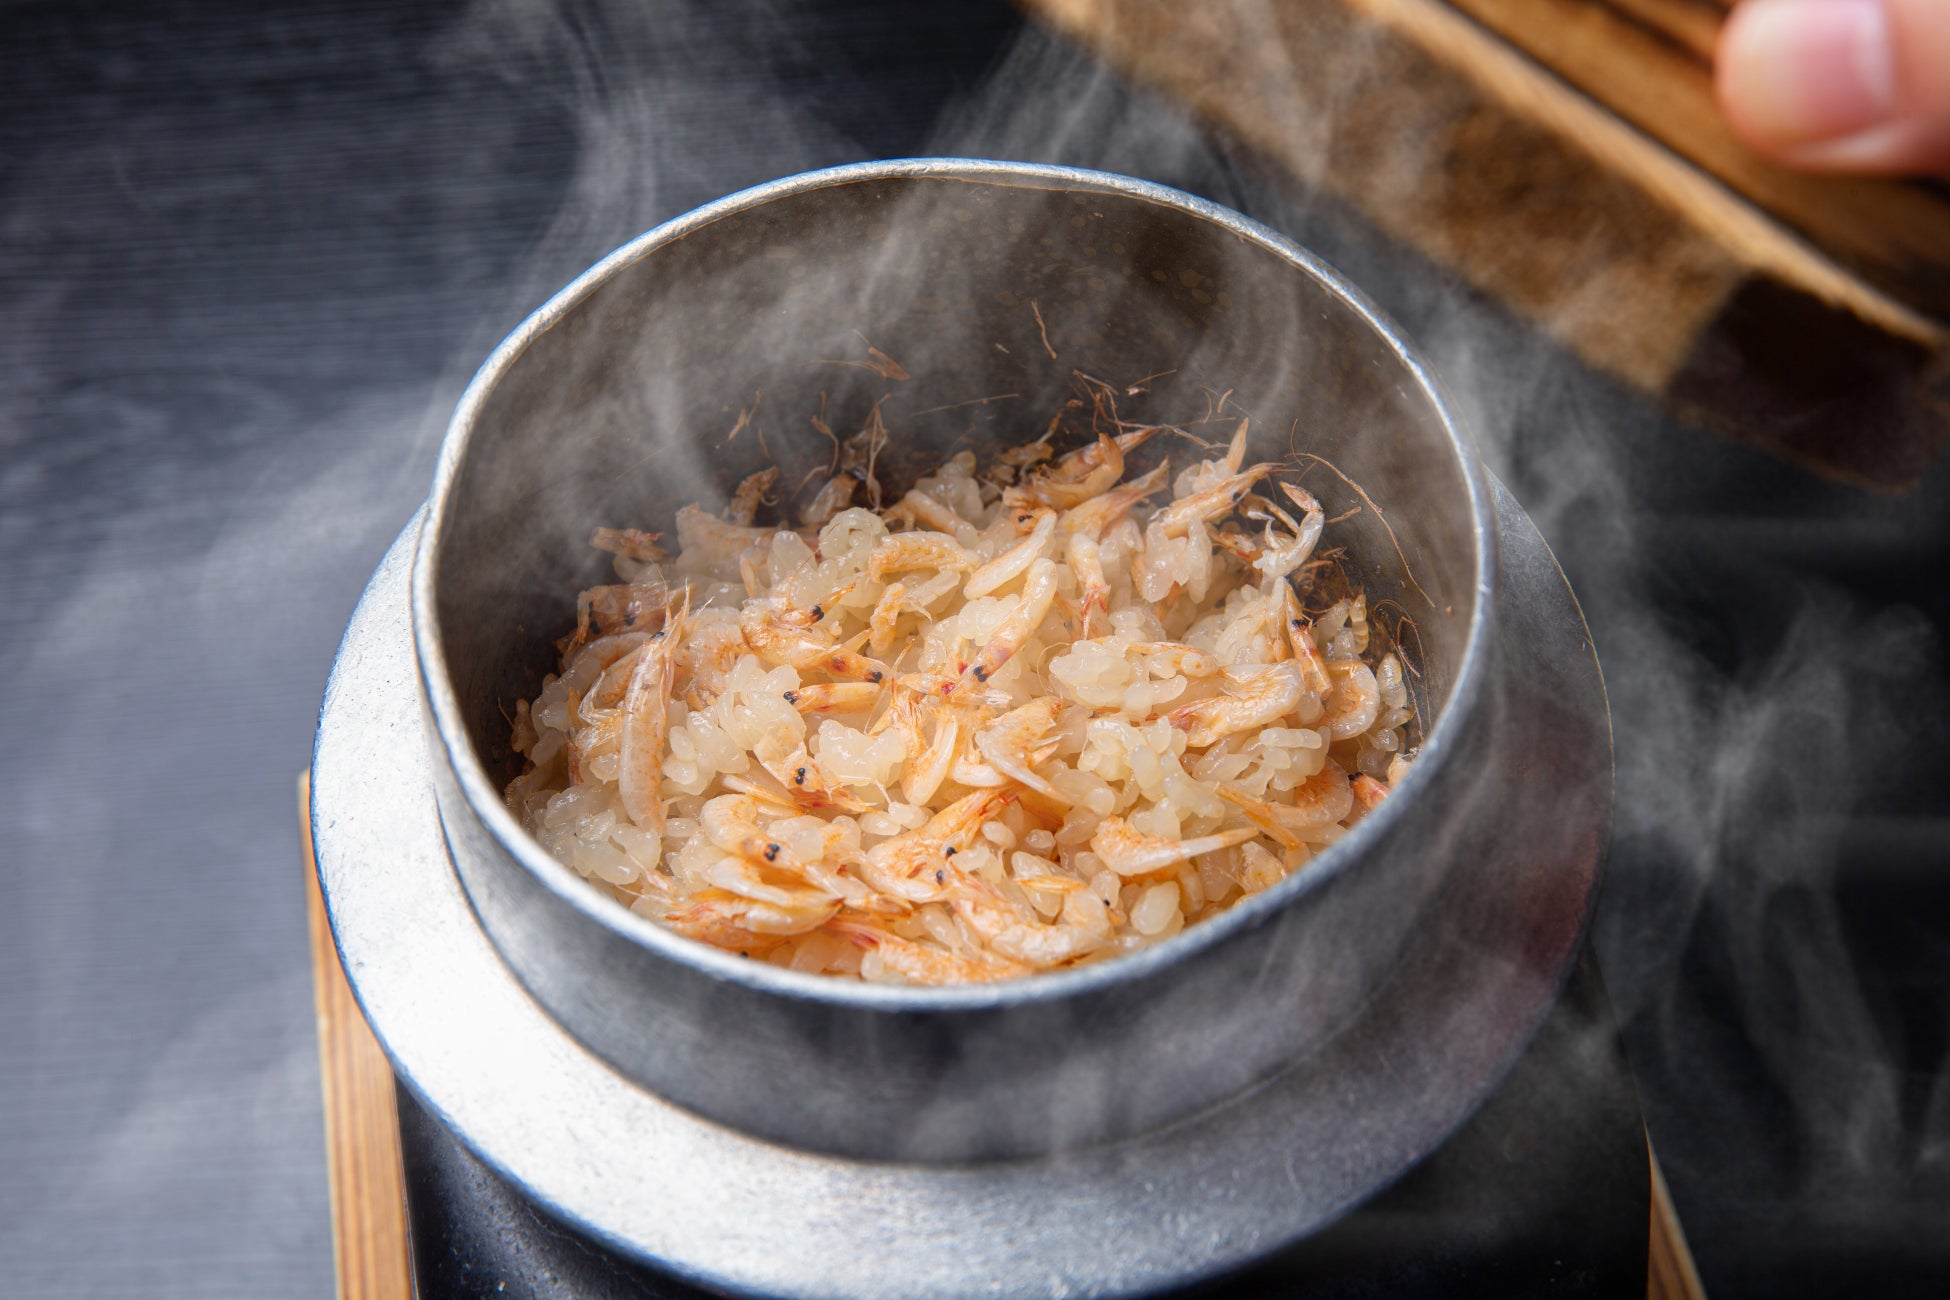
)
(1023, 519)
(792, 697)
(874, 676)
(981, 673)
(799, 777)
(940, 877)
(818, 613)
(950, 853)
(771, 853)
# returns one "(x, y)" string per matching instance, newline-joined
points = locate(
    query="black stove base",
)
(1544, 1192)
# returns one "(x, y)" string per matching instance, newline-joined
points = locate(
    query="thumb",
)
(1840, 85)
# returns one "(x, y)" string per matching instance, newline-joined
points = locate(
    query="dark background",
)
(249, 254)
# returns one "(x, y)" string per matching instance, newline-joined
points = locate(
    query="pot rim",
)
(484, 799)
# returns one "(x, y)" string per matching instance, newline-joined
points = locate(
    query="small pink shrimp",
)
(1086, 561)
(834, 496)
(744, 504)
(904, 551)
(629, 544)
(699, 530)
(1300, 636)
(1254, 698)
(1176, 519)
(1128, 851)
(600, 728)
(1236, 451)
(806, 782)
(592, 664)
(711, 649)
(611, 687)
(765, 794)
(936, 514)
(646, 725)
(1087, 471)
(1236, 544)
(1355, 700)
(920, 963)
(913, 865)
(730, 821)
(779, 634)
(1260, 869)
(737, 874)
(970, 768)
(1369, 792)
(976, 775)
(834, 697)
(1095, 516)
(928, 767)
(1320, 802)
(1282, 555)
(622, 607)
(1012, 562)
(1026, 454)
(636, 551)
(1038, 594)
(953, 686)
(1020, 738)
(1019, 934)
(725, 920)
(883, 623)
(1208, 473)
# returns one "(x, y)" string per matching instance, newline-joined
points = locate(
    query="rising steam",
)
(1739, 771)
(1755, 743)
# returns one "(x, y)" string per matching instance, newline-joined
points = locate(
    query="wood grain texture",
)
(1642, 60)
(1461, 146)
(1669, 1271)
(1690, 25)
(370, 1242)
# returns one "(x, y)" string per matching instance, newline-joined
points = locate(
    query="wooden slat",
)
(1452, 141)
(1623, 54)
(1690, 25)
(370, 1243)
(1669, 1273)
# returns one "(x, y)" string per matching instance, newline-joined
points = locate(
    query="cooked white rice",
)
(1019, 720)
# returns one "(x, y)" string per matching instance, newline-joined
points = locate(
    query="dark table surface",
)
(249, 253)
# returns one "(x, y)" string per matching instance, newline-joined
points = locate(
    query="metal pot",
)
(614, 404)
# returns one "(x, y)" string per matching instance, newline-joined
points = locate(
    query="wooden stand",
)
(371, 1242)
(1565, 157)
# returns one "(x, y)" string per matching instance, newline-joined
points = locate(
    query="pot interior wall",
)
(625, 408)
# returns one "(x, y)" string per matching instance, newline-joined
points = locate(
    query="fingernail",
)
(1800, 71)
